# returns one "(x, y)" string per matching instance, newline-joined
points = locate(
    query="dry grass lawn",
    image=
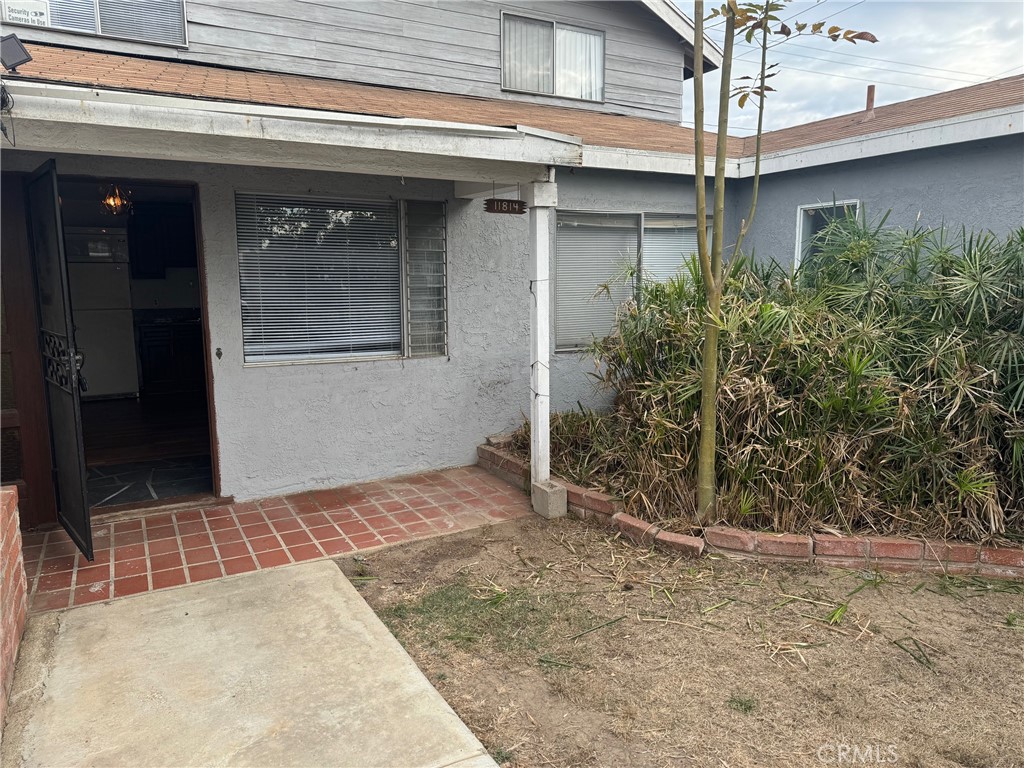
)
(560, 645)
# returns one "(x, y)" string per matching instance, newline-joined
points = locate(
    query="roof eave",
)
(683, 25)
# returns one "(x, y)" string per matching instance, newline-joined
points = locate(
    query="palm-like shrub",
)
(879, 388)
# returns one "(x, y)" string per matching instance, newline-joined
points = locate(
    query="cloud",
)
(924, 47)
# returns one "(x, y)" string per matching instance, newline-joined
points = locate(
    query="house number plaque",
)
(499, 205)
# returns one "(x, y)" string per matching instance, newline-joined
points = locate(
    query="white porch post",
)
(548, 500)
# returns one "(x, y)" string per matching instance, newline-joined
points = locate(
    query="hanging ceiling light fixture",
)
(117, 202)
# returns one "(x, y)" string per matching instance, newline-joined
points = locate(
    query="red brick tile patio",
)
(162, 550)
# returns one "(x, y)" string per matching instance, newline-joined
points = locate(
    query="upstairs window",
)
(552, 58)
(150, 21)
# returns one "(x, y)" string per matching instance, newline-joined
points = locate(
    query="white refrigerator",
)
(101, 304)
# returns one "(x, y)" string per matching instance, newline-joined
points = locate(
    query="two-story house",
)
(251, 248)
(251, 238)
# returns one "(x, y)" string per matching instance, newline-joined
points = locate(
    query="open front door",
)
(60, 358)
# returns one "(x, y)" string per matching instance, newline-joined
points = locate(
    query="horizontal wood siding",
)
(452, 46)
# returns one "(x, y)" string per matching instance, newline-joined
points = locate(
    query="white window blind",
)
(668, 242)
(157, 21)
(580, 66)
(153, 21)
(548, 57)
(591, 250)
(73, 14)
(318, 278)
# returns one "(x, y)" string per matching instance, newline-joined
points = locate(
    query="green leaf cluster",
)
(879, 388)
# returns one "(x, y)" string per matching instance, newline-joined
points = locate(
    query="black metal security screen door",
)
(60, 361)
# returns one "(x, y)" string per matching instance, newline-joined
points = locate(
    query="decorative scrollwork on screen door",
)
(57, 360)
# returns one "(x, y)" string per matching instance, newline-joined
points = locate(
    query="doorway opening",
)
(135, 291)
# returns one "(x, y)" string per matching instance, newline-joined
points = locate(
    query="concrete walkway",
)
(283, 667)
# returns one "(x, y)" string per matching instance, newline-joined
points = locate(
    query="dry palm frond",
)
(879, 389)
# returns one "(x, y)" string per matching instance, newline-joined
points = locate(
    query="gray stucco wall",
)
(286, 427)
(282, 428)
(979, 185)
(452, 46)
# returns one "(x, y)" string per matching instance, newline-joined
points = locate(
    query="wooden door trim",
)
(39, 504)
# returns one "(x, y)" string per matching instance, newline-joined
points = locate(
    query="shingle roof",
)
(56, 64)
(1006, 92)
(130, 73)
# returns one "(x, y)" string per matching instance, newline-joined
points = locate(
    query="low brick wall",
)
(13, 599)
(885, 553)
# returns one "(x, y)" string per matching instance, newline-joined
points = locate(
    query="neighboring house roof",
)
(664, 142)
(1007, 92)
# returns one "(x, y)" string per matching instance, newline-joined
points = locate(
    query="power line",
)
(754, 49)
(843, 10)
(1000, 74)
(817, 5)
(868, 66)
(874, 58)
(865, 79)
(831, 15)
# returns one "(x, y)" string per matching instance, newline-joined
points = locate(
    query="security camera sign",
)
(34, 13)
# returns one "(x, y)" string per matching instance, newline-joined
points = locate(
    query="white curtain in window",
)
(591, 250)
(669, 241)
(528, 52)
(580, 67)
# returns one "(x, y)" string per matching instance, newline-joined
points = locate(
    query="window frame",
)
(554, 57)
(141, 40)
(640, 219)
(801, 211)
(404, 297)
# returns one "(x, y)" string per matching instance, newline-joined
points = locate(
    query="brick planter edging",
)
(13, 591)
(886, 553)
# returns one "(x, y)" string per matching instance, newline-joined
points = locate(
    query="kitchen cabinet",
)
(171, 357)
(161, 235)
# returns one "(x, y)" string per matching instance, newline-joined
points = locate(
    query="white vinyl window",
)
(151, 21)
(595, 256)
(552, 58)
(337, 279)
(811, 219)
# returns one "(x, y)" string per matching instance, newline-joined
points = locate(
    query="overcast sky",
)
(922, 48)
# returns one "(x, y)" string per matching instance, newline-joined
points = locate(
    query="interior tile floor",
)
(162, 550)
(149, 480)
